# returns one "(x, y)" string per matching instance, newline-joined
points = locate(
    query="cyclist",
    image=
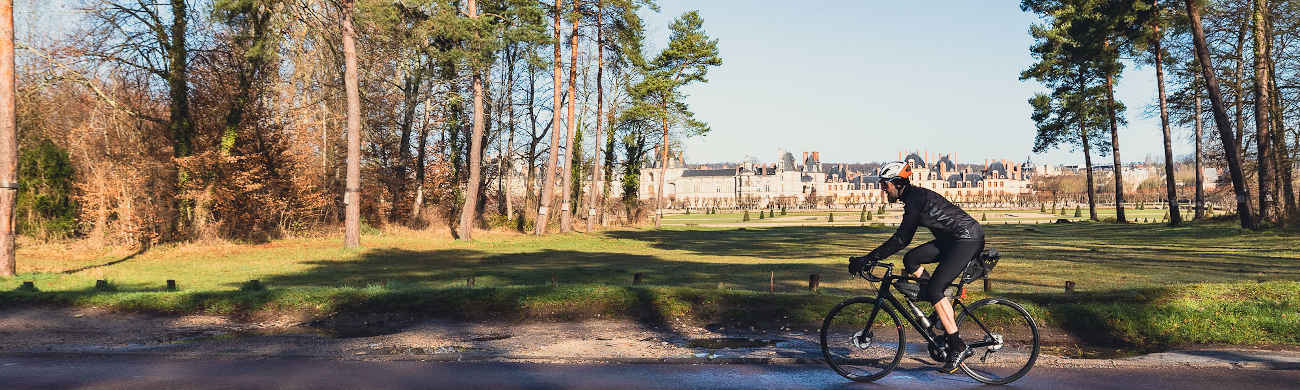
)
(958, 238)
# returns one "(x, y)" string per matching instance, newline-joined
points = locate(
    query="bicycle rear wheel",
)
(1010, 339)
(859, 350)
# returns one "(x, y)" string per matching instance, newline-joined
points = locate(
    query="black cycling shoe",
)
(955, 358)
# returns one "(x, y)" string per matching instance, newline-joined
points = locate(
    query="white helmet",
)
(895, 170)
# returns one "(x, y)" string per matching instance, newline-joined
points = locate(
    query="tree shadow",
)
(114, 262)
(784, 242)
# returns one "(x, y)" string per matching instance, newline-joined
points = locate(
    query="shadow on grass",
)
(784, 242)
(114, 262)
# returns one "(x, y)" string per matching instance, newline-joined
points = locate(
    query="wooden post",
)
(1069, 287)
(771, 281)
(171, 285)
(988, 284)
(636, 278)
(814, 280)
(469, 282)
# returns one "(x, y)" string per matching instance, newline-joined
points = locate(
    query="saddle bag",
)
(981, 265)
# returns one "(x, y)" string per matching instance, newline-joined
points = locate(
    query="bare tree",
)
(470, 210)
(548, 186)
(8, 140)
(566, 216)
(352, 191)
(1175, 218)
(1230, 147)
(1264, 149)
(600, 106)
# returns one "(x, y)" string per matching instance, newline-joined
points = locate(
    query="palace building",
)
(808, 181)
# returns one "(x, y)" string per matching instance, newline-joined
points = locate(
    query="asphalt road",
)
(150, 373)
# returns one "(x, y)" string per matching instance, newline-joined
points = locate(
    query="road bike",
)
(863, 340)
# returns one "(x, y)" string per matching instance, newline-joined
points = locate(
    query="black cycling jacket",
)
(923, 207)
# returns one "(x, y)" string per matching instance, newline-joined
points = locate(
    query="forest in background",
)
(159, 121)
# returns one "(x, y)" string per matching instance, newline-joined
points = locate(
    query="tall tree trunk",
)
(410, 99)
(1114, 149)
(352, 192)
(469, 212)
(8, 140)
(663, 169)
(1263, 141)
(1200, 176)
(1175, 217)
(566, 215)
(531, 195)
(1240, 85)
(418, 205)
(1281, 153)
(609, 161)
(507, 156)
(182, 126)
(1087, 164)
(600, 107)
(548, 186)
(1220, 116)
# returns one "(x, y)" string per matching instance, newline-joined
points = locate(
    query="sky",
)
(860, 81)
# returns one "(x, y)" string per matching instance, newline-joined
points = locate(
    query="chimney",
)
(805, 158)
(900, 156)
(986, 164)
(816, 157)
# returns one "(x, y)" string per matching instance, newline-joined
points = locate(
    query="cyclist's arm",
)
(901, 237)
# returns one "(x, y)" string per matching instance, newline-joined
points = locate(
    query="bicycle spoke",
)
(1003, 337)
(858, 349)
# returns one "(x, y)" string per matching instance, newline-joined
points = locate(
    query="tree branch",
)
(94, 87)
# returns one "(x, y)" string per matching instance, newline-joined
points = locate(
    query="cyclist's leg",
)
(953, 259)
(922, 254)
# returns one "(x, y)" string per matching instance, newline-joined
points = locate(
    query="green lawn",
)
(1137, 284)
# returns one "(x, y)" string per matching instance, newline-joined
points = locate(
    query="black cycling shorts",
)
(952, 257)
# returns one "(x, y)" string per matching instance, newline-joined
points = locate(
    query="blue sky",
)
(861, 81)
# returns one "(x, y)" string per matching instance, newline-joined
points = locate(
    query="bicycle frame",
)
(883, 293)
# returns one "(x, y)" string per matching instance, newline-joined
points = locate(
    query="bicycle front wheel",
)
(862, 339)
(1004, 339)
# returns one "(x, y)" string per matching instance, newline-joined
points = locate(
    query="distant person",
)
(958, 238)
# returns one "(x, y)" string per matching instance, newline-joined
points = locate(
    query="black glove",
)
(858, 264)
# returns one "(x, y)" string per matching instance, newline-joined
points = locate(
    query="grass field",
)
(1137, 284)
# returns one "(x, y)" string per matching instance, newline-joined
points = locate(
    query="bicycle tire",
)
(1019, 340)
(841, 329)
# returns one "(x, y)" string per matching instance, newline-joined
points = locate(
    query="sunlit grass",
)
(1141, 284)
